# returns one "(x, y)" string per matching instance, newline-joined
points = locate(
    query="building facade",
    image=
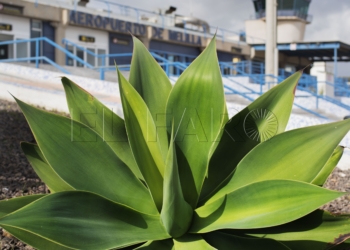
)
(101, 33)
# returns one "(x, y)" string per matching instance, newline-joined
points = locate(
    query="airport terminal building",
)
(94, 31)
(105, 32)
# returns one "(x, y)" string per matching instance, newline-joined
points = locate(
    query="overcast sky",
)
(331, 18)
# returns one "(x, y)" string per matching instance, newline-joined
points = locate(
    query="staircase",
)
(243, 81)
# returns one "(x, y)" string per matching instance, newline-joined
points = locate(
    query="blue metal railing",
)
(277, 80)
(37, 58)
(233, 91)
(337, 88)
(307, 84)
(256, 73)
(252, 70)
(341, 87)
(166, 64)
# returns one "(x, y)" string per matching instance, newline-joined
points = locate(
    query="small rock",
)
(6, 234)
(342, 174)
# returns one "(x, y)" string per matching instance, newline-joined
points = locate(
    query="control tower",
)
(292, 18)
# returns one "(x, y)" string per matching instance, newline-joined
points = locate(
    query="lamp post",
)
(271, 52)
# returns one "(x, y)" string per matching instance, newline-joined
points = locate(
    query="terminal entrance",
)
(174, 53)
(171, 57)
(4, 52)
(120, 44)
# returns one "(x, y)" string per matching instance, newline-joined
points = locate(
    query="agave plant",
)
(176, 172)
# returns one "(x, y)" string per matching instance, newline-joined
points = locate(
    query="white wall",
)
(101, 42)
(324, 73)
(288, 31)
(255, 31)
(20, 30)
(101, 37)
(20, 26)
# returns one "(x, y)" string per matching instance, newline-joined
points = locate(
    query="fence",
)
(252, 70)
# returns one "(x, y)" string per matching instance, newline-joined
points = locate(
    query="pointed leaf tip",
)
(295, 146)
(116, 182)
(153, 85)
(73, 221)
(270, 203)
(198, 99)
(142, 134)
(277, 103)
(43, 169)
(87, 109)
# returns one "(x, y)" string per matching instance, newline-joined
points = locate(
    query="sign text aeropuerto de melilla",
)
(100, 22)
(85, 19)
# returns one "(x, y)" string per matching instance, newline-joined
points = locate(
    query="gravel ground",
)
(17, 178)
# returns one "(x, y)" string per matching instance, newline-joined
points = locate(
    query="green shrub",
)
(177, 173)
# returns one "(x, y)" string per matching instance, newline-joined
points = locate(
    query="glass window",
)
(70, 61)
(10, 51)
(22, 50)
(302, 7)
(36, 24)
(33, 51)
(80, 54)
(90, 58)
(171, 58)
(280, 4)
(100, 60)
(116, 40)
(288, 4)
(34, 33)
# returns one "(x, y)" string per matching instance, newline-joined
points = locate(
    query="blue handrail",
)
(278, 79)
(68, 42)
(45, 39)
(233, 91)
(253, 70)
(236, 82)
(103, 68)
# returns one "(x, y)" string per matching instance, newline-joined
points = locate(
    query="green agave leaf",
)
(35, 240)
(83, 160)
(86, 109)
(318, 230)
(298, 154)
(153, 85)
(224, 241)
(261, 204)
(198, 108)
(85, 220)
(158, 245)
(43, 169)
(332, 162)
(142, 135)
(192, 241)
(268, 115)
(174, 204)
(8, 206)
